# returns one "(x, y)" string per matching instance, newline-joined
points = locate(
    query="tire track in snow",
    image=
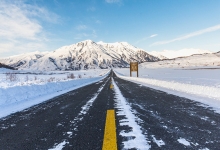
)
(136, 138)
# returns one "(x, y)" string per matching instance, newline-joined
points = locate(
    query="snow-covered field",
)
(38, 77)
(33, 87)
(199, 84)
(202, 60)
(22, 89)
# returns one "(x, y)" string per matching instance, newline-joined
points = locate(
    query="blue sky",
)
(153, 25)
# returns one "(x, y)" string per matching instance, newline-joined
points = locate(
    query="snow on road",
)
(16, 96)
(158, 142)
(136, 139)
(86, 107)
(183, 141)
(59, 146)
(83, 112)
(202, 85)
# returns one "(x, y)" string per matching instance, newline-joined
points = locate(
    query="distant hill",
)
(170, 54)
(158, 55)
(196, 60)
(83, 55)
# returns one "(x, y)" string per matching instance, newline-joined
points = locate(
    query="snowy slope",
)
(23, 60)
(178, 53)
(198, 60)
(127, 52)
(83, 55)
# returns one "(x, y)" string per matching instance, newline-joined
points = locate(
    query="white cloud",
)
(15, 48)
(113, 1)
(98, 22)
(90, 34)
(210, 29)
(5, 46)
(91, 8)
(15, 23)
(141, 40)
(145, 38)
(153, 35)
(85, 32)
(21, 29)
(43, 13)
(81, 27)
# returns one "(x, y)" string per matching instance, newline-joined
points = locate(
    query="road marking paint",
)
(110, 141)
(111, 86)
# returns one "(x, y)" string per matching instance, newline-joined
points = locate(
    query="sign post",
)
(133, 67)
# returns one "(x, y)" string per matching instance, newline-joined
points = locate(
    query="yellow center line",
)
(111, 86)
(110, 141)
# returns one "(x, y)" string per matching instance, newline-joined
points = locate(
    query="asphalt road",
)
(76, 120)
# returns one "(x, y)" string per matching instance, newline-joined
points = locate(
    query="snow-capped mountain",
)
(169, 54)
(23, 60)
(196, 60)
(127, 52)
(83, 55)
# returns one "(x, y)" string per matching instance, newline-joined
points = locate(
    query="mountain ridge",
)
(82, 55)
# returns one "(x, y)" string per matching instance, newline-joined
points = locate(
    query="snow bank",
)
(204, 94)
(17, 98)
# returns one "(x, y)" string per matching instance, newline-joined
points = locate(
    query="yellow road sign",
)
(133, 67)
